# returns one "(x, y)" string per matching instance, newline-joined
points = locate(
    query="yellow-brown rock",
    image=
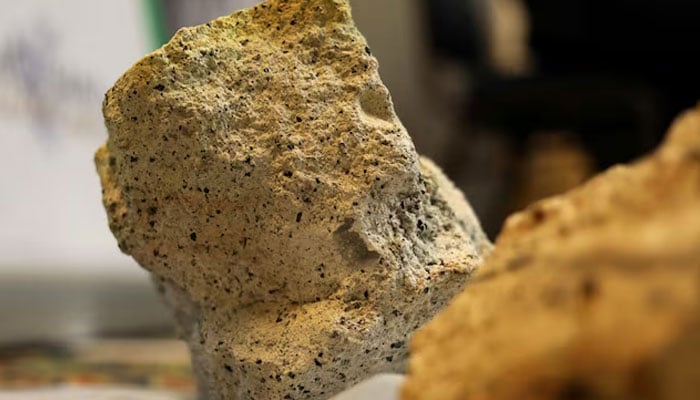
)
(594, 294)
(255, 166)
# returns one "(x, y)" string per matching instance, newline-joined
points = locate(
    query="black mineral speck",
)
(299, 216)
(159, 87)
(193, 236)
(228, 368)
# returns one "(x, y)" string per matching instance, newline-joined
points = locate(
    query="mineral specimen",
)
(255, 166)
(594, 294)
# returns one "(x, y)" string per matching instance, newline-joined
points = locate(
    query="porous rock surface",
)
(594, 294)
(255, 166)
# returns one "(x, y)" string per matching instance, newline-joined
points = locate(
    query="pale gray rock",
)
(255, 166)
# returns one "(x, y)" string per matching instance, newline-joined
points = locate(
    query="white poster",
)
(57, 59)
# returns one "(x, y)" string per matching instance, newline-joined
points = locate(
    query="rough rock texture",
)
(255, 166)
(591, 295)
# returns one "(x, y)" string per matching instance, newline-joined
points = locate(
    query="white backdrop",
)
(62, 277)
(57, 58)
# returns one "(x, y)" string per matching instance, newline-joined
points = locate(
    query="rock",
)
(590, 295)
(255, 166)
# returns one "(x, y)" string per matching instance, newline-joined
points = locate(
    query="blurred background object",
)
(516, 99)
(63, 284)
(611, 74)
(60, 276)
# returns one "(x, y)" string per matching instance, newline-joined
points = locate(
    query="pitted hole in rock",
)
(376, 103)
(351, 244)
